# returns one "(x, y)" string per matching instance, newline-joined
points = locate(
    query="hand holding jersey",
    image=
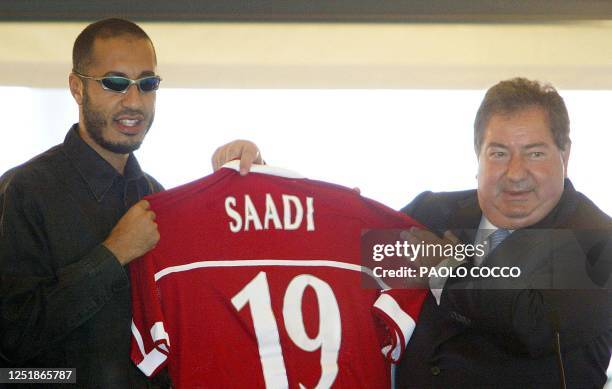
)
(134, 235)
(245, 150)
(262, 275)
(420, 236)
(136, 232)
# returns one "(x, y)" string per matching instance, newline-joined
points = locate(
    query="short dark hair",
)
(514, 95)
(103, 29)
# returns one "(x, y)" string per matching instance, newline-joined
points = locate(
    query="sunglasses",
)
(121, 84)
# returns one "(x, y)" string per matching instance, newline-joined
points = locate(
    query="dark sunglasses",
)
(121, 84)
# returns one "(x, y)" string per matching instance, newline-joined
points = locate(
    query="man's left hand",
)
(246, 150)
(416, 236)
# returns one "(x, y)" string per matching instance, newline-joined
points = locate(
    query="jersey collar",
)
(264, 169)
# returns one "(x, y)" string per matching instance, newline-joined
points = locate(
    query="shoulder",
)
(580, 212)
(35, 173)
(587, 211)
(592, 236)
(154, 185)
(431, 202)
(445, 210)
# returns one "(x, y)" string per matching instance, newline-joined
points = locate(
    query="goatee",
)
(95, 122)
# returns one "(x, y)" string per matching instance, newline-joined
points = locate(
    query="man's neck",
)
(117, 161)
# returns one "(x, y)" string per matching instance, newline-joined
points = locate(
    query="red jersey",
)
(256, 282)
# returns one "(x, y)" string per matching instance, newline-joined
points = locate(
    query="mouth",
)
(516, 195)
(129, 125)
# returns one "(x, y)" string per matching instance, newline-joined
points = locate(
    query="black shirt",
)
(64, 297)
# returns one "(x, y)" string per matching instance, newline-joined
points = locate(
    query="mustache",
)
(516, 186)
(129, 112)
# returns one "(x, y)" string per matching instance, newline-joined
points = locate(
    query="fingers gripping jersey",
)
(256, 283)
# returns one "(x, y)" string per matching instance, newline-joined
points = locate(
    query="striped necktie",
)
(496, 238)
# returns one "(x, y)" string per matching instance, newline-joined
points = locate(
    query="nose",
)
(132, 98)
(516, 168)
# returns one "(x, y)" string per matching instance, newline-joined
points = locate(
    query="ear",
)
(565, 154)
(76, 88)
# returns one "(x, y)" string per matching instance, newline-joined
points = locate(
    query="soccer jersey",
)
(256, 282)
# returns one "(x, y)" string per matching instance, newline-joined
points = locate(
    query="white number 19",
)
(257, 294)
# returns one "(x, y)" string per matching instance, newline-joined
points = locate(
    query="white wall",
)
(571, 54)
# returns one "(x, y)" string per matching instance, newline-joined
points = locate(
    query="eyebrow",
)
(535, 145)
(146, 73)
(495, 144)
(529, 146)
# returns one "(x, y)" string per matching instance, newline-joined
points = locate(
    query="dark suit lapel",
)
(520, 248)
(464, 222)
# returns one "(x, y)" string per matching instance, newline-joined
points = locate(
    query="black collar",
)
(95, 170)
(466, 218)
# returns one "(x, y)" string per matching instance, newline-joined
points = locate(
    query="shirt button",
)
(435, 370)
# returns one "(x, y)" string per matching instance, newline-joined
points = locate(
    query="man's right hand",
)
(134, 235)
(246, 150)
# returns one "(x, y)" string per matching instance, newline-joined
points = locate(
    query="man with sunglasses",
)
(72, 218)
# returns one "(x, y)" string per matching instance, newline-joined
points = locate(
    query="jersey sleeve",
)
(399, 309)
(150, 345)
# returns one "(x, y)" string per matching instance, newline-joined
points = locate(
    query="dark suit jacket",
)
(491, 337)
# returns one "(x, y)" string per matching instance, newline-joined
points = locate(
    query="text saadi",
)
(284, 212)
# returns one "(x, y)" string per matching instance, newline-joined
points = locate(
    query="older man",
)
(71, 218)
(552, 326)
(534, 334)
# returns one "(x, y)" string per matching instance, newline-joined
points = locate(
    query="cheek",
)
(549, 188)
(486, 187)
(489, 174)
(149, 101)
(103, 106)
(549, 177)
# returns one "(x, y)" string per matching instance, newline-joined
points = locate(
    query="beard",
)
(96, 122)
